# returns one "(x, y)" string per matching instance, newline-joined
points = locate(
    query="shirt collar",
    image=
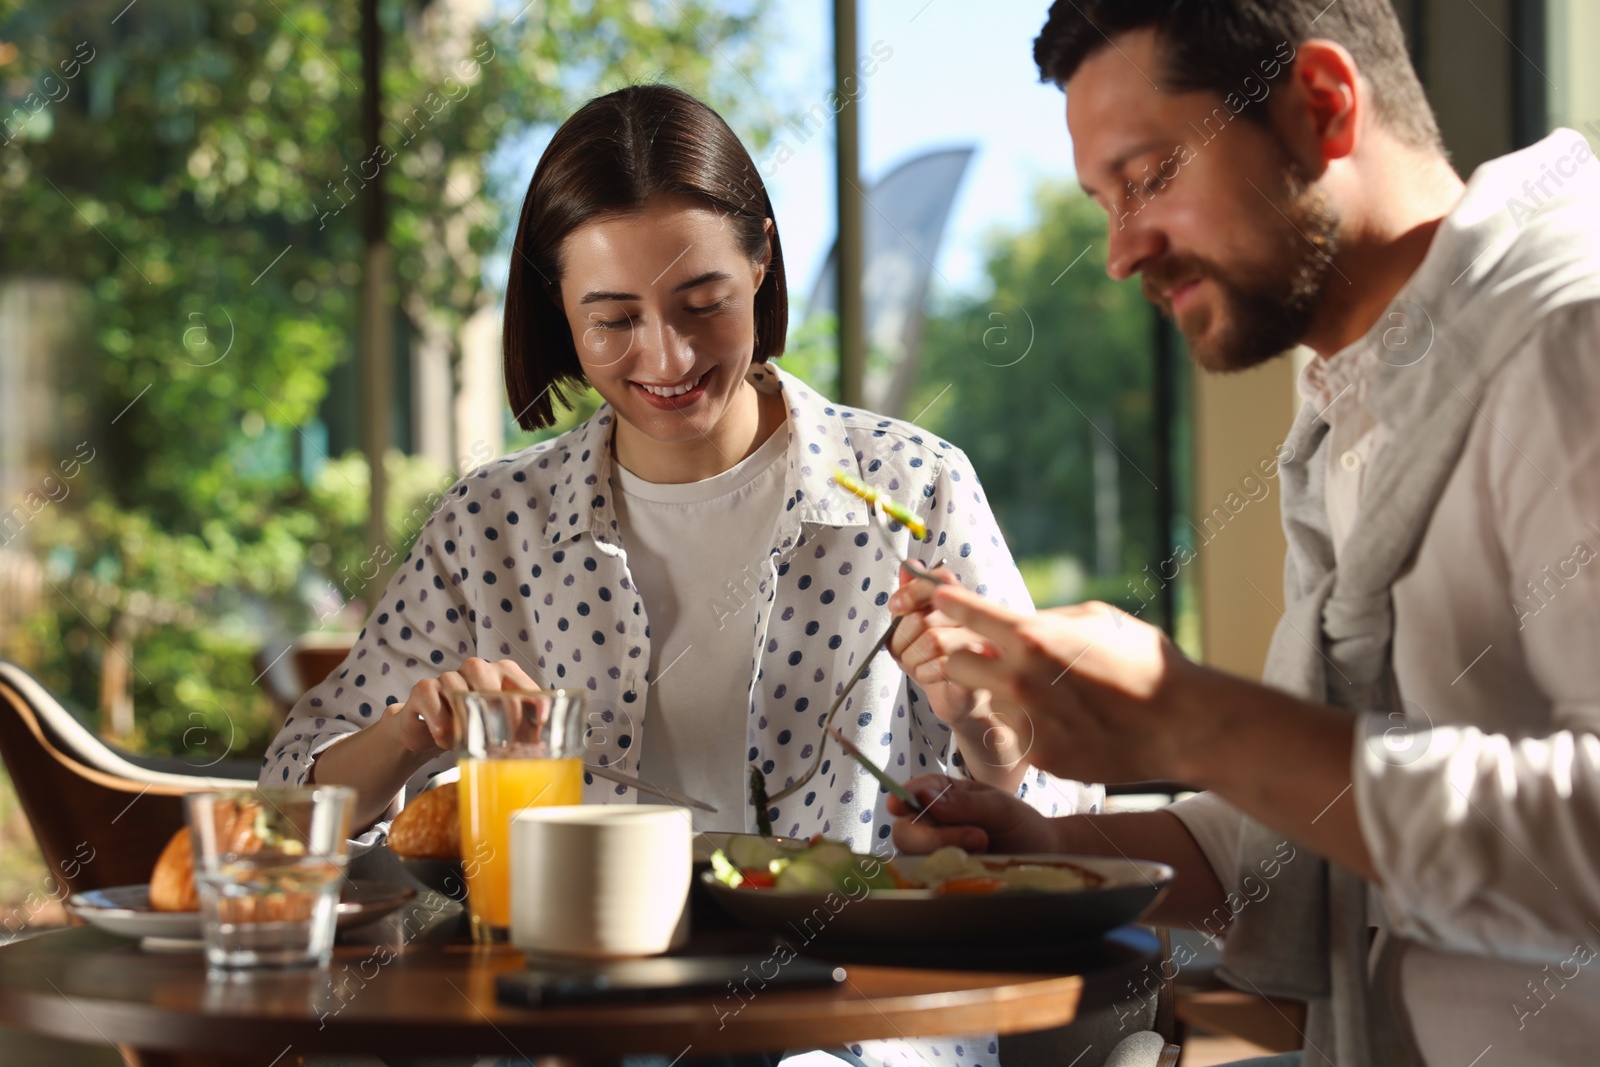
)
(1344, 376)
(574, 470)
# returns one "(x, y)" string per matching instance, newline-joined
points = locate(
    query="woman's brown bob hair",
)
(615, 153)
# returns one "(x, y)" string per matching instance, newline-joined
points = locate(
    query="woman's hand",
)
(970, 815)
(993, 749)
(923, 643)
(425, 725)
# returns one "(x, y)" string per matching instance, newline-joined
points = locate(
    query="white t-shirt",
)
(693, 549)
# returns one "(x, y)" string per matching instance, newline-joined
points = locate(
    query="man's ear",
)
(1328, 100)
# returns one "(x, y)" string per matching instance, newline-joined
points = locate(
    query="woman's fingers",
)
(512, 676)
(440, 717)
(906, 634)
(480, 675)
(427, 719)
(926, 656)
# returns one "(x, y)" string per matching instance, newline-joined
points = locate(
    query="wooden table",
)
(408, 986)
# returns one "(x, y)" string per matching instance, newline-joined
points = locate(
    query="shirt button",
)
(1350, 460)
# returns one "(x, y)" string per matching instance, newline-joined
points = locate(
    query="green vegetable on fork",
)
(758, 797)
(898, 512)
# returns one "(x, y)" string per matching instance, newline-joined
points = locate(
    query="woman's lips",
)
(677, 401)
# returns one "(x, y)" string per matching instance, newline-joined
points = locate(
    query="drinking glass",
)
(516, 749)
(268, 864)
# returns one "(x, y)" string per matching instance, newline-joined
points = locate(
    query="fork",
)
(916, 570)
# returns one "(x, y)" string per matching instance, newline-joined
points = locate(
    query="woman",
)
(683, 558)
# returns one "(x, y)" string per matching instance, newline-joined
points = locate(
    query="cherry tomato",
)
(758, 879)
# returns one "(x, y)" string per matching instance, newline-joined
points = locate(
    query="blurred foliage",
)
(196, 166)
(1020, 378)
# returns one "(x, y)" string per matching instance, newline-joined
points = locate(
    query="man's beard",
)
(1267, 308)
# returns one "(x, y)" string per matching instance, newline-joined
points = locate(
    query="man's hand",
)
(969, 815)
(425, 725)
(1101, 695)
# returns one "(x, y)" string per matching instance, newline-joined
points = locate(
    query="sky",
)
(952, 77)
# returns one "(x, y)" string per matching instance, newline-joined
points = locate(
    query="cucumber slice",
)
(805, 876)
(880, 879)
(831, 856)
(754, 853)
(727, 873)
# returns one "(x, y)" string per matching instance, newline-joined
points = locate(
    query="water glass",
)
(269, 864)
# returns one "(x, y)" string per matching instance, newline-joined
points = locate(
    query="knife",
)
(643, 786)
(894, 787)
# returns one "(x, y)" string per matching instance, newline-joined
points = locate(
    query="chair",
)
(101, 815)
(1132, 1031)
(285, 669)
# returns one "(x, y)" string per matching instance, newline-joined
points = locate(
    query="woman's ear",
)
(768, 228)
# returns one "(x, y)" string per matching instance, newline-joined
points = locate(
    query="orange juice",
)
(493, 790)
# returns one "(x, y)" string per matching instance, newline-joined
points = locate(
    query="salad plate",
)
(945, 901)
(125, 910)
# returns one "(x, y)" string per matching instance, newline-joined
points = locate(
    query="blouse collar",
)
(574, 470)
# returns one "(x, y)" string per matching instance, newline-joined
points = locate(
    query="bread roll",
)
(172, 885)
(429, 827)
(172, 882)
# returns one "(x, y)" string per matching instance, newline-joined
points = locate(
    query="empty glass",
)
(268, 864)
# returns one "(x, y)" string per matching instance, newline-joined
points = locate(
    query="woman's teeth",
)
(672, 390)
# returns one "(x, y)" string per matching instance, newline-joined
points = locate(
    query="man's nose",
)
(1132, 244)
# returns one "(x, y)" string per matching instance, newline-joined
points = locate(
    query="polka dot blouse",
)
(522, 560)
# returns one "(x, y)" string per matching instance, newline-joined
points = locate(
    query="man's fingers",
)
(921, 837)
(971, 670)
(990, 620)
(927, 832)
(956, 812)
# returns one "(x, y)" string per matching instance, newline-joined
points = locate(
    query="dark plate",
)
(900, 923)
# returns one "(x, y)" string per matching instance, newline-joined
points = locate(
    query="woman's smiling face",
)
(661, 303)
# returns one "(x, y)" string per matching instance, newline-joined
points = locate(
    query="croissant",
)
(172, 882)
(172, 885)
(429, 827)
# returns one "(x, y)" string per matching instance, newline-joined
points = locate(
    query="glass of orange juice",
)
(516, 749)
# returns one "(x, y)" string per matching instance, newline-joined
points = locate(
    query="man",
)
(1402, 827)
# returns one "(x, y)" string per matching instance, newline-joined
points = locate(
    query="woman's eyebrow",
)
(598, 296)
(702, 279)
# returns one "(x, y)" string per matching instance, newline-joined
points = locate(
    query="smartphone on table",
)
(657, 978)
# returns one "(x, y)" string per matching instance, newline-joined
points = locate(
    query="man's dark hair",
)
(1216, 44)
(607, 160)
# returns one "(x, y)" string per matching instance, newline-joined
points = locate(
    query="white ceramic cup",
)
(600, 881)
